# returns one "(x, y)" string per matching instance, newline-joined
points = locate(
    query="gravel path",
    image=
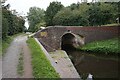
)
(10, 59)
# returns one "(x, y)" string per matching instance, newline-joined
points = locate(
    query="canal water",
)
(98, 66)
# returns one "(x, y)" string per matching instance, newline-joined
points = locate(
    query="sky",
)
(22, 6)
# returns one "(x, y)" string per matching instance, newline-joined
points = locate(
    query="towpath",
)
(11, 58)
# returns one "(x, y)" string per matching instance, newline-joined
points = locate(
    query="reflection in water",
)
(93, 65)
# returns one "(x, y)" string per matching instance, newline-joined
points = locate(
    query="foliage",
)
(51, 11)
(77, 14)
(39, 25)
(41, 65)
(0, 48)
(106, 46)
(87, 14)
(70, 17)
(62, 17)
(94, 15)
(11, 23)
(35, 17)
(102, 13)
(74, 6)
(4, 27)
(6, 42)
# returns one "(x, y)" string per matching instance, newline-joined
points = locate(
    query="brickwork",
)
(51, 36)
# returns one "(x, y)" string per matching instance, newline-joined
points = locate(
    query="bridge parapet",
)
(51, 36)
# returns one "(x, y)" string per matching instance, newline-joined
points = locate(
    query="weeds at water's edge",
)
(107, 47)
(20, 69)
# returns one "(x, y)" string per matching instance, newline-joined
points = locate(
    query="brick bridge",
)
(53, 37)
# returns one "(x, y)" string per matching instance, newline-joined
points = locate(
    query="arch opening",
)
(67, 41)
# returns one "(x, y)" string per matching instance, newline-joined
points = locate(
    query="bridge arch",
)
(71, 41)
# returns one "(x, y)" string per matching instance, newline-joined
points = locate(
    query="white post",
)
(117, 20)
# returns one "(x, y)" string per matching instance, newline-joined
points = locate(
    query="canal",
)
(99, 66)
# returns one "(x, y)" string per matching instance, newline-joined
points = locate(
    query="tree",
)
(102, 13)
(74, 6)
(18, 23)
(62, 17)
(72, 16)
(118, 11)
(35, 16)
(8, 15)
(94, 15)
(11, 23)
(39, 25)
(4, 27)
(51, 11)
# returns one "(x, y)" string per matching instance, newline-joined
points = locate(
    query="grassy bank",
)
(0, 47)
(115, 24)
(105, 46)
(6, 42)
(41, 65)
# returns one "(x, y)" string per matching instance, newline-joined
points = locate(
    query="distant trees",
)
(102, 13)
(35, 18)
(77, 14)
(87, 14)
(68, 17)
(72, 16)
(11, 23)
(51, 11)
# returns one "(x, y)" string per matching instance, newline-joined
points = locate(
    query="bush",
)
(105, 46)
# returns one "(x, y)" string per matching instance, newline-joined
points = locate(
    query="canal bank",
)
(107, 47)
(85, 64)
(99, 59)
(61, 63)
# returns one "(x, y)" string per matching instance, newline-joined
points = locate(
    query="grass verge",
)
(0, 47)
(105, 46)
(114, 24)
(20, 69)
(42, 67)
(6, 42)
